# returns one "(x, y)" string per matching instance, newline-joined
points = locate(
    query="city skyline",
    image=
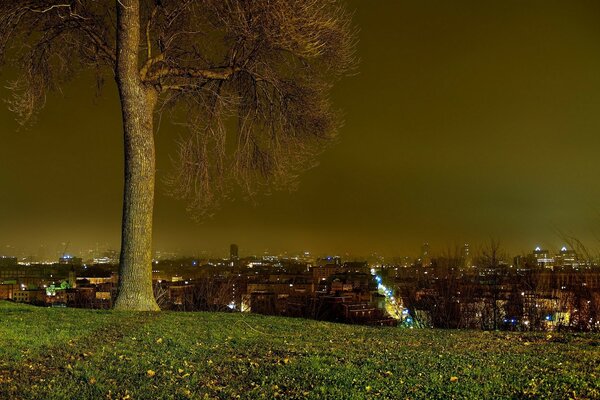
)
(510, 155)
(47, 254)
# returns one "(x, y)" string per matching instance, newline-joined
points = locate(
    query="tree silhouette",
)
(252, 76)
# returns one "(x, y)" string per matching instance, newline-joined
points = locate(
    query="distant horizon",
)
(435, 251)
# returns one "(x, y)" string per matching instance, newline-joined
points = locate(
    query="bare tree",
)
(491, 259)
(209, 294)
(264, 69)
(446, 308)
(161, 295)
(582, 299)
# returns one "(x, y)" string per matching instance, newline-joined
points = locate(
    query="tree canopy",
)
(253, 78)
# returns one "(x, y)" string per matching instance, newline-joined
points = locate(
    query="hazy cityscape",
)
(299, 199)
(544, 290)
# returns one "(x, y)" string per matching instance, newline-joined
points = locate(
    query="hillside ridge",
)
(89, 354)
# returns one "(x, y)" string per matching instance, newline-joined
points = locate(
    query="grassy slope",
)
(70, 353)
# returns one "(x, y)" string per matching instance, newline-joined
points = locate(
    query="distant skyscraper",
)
(425, 257)
(466, 256)
(543, 258)
(42, 254)
(567, 258)
(233, 252)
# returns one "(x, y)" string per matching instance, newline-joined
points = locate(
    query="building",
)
(6, 261)
(425, 255)
(70, 260)
(234, 252)
(467, 260)
(321, 273)
(567, 258)
(263, 302)
(543, 258)
(329, 260)
(7, 289)
(30, 275)
(35, 296)
(356, 267)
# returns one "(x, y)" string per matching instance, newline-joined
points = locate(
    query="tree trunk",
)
(137, 105)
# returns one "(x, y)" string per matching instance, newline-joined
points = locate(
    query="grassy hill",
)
(76, 354)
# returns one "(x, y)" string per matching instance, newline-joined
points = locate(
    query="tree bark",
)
(137, 105)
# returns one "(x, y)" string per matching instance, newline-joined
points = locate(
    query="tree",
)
(490, 260)
(262, 69)
(446, 308)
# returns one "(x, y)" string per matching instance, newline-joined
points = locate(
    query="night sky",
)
(466, 120)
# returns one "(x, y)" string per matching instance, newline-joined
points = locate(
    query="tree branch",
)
(102, 45)
(148, 64)
(56, 6)
(50, 8)
(148, 26)
(218, 73)
(182, 86)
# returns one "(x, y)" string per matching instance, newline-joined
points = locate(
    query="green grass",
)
(78, 354)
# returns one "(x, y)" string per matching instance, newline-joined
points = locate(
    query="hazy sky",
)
(467, 119)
